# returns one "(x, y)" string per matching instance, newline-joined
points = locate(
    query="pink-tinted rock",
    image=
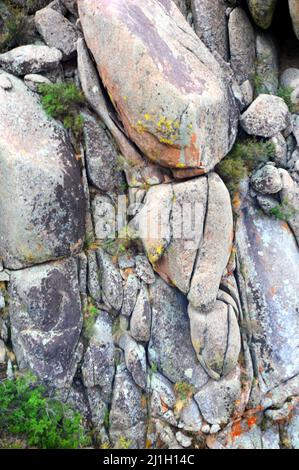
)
(166, 86)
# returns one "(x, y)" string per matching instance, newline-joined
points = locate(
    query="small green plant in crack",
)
(90, 314)
(244, 157)
(123, 443)
(183, 392)
(63, 101)
(285, 92)
(283, 211)
(28, 413)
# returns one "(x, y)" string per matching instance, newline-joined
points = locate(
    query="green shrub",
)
(13, 27)
(242, 160)
(90, 315)
(26, 412)
(63, 101)
(285, 92)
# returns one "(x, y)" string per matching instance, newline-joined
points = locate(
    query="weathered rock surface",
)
(267, 70)
(140, 325)
(266, 116)
(290, 200)
(211, 24)
(135, 359)
(267, 180)
(30, 59)
(128, 413)
(170, 346)
(271, 288)
(41, 197)
(262, 11)
(112, 288)
(242, 45)
(98, 364)
(46, 320)
(215, 248)
(57, 31)
(170, 125)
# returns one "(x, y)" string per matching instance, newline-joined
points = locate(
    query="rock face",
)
(41, 196)
(171, 125)
(46, 320)
(210, 24)
(271, 289)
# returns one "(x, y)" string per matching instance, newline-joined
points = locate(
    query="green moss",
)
(27, 413)
(242, 160)
(90, 314)
(283, 212)
(63, 101)
(183, 390)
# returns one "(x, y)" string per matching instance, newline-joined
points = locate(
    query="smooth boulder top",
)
(165, 84)
(42, 202)
(30, 59)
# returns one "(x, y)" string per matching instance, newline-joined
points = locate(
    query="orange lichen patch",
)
(236, 429)
(187, 172)
(236, 201)
(251, 421)
(164, 406)
(286, 227)
(273, 291)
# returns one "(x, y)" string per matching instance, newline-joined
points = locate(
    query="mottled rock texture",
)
(170, 125)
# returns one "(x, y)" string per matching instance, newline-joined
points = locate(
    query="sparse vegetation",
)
(283, 211)
(285, 92)
(90, 314)
(123, 443)
(12, 25)
(27, 413)
(244, 157)
(63, 101)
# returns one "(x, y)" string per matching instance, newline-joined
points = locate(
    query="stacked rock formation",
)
(195, 338)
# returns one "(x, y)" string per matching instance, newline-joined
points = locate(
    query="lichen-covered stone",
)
(41, 195)
(262, 11)
(46, 320)
(177, 80)
(30, 59)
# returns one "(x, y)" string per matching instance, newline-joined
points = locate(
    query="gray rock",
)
(104, 217)
(131, 289)
(190, 418)
(140, 324)
(101, 155)
(280, 153)
(267, 180)
(93, 277)
(186, 224)
(262, 11)
(112, 288)
(210, 24)
(266, 116)
(144, 270)
(267, 203)
(30, 59)
(41, 196)
(135, 359)
(182, 439)
(128, 414)
(266, 64)
(290, 199)
(31, 5)
(71, 5)
(163, 398)
(293, 429)
(271, 294)
(33, 80)
(216, 339)
(57, 31)
(215, 249)
(217, 399)
(46, 320)
(242, 45)
(98, 364)
(4, 276)
(175, 94)
(2, 301)
(170, 346)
